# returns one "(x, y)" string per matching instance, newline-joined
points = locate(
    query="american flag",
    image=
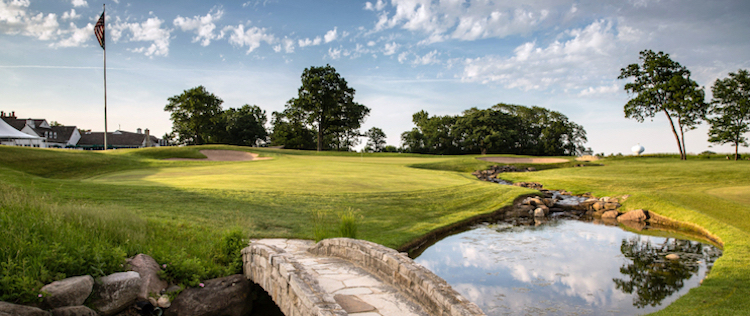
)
(99, 30)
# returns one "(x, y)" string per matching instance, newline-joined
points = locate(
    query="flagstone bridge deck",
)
(343, 276)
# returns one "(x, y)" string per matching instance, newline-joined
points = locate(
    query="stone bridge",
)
(343, 276)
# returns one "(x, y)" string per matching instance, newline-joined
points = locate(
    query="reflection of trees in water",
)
(652, 277)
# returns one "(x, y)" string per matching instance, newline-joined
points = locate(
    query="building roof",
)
(8, 131)
(114, 139)
(63, 133)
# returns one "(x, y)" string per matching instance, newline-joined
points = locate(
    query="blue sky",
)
(401, 56)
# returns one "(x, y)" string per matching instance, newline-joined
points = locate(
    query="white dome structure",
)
(637, 149)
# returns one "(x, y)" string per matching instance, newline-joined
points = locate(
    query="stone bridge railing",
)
(424, 287)
(295, 291)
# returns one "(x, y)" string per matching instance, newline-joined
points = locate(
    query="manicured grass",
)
(191, 215)
(187, 209)
(711, 193)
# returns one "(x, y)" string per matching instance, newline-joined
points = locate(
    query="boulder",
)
(598, 206)
(68, 292)
(229, 296)
(550, 202)
(610, 215)
(539, 212)
(149, 269)
(611, 206)
(21, 310)
(116, 292)
(73, 311)
(638, 215)
(536, 201)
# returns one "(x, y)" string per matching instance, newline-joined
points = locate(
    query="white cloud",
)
(371, 43)
(250, 38)
(334, 53)
(309, 42)
(427, 59)
(149, 31)
(331, 35)
(573, 64)
(288, 45)
(375, 7)
(599, 90)
(42, 27)
(72, 15)
(442, 20)
(78, 36)
(203, 26)
(402, 57)
(80, 3)
(390, 48)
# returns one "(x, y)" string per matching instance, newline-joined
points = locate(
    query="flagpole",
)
(105, 86)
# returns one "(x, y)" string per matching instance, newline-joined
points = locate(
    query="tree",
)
(483, 130)
(244, 126)
(731, 107)
(376, 139)
(195, 115)
(327, 102)
(663, 85)
(289, 130)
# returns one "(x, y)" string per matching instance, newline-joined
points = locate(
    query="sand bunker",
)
(522, 160)
(225, 155)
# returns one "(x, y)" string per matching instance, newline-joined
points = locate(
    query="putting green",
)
(314, 174)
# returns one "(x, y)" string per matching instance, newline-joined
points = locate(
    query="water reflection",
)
(653, 277)
(566, 268)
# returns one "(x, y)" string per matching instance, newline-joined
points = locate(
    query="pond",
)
(567, 267)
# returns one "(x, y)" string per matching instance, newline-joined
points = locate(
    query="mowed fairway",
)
(312, 174)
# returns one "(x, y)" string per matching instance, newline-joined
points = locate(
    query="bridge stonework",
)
(293, 290)
(296, 291)
(427, 289)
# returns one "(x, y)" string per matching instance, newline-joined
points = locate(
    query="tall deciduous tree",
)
(244, 126)
(731, 109)
(290, 131)
(661, 85)
(327, 103)
(376, 139)
(195, 115)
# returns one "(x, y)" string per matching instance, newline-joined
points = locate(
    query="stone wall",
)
(424, 287)
(293, 290)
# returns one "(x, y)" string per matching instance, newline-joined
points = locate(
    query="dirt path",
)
(522, 160)
(224, 155)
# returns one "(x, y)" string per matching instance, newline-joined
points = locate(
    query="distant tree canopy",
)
(375, 139)
(324, 105)
(502, 129)
(663, 85)
(197, 118)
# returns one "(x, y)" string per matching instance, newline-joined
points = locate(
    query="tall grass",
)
(41, 241)
(349, 223)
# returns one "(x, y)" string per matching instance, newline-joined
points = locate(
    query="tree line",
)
(501, 129)
(661, 85)
(324, 116)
